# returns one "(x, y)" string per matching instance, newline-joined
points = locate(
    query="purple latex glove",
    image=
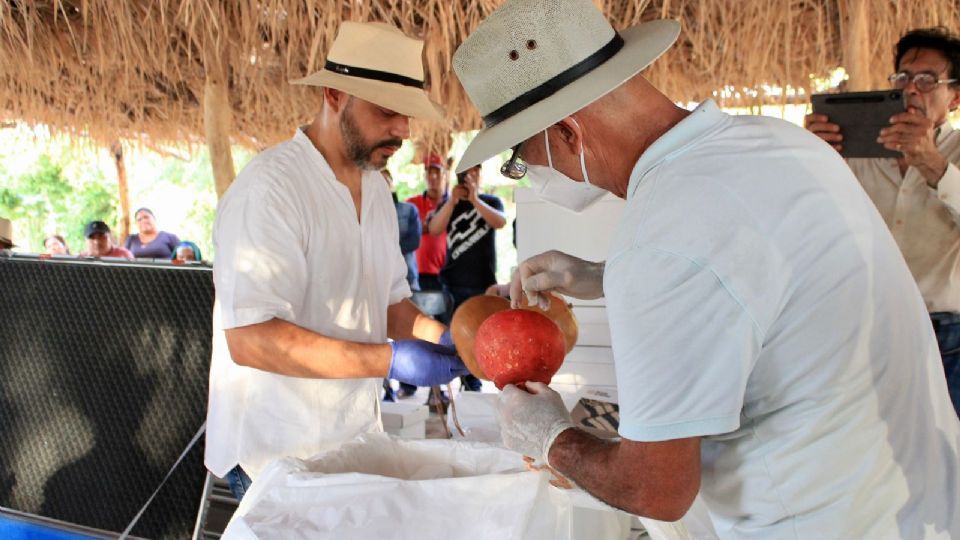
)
(446, 339)
(423, 363)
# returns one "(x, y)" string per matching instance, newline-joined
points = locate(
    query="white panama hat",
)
(376, 62)
(532, 63)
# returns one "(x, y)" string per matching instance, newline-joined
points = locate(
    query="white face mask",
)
(553, 186)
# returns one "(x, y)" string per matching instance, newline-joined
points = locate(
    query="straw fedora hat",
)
(376, 62)
(533, 62)
(6, 232)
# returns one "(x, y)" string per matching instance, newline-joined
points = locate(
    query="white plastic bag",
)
(477, 417)
(382, 487)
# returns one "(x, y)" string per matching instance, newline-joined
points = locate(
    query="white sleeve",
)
(684, 346)
(948, 190)
(260, 271)
(400, 289)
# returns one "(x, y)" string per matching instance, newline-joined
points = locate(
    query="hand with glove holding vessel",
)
(422, 363)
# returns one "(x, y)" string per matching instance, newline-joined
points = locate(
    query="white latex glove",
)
(531, 421)
(555, 271)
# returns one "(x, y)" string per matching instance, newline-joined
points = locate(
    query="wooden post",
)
(217, 123)
(117, 150)
(856, 54)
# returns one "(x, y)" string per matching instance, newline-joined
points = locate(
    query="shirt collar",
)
(706, 117)
(300, 139)
(942, 132)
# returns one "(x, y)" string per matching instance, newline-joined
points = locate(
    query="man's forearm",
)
(589, 461)
(284, 348)
(406, 321)
(617, 473)
(491, 215)
(933, 170)
(437, 224)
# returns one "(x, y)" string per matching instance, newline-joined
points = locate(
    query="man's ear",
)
(335, 99)
(570, 134)
(955, 102)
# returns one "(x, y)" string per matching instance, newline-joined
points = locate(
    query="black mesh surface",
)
(103, 382)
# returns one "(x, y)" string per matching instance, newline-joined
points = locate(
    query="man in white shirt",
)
(778, 354)
(309, 277)
(918, 194)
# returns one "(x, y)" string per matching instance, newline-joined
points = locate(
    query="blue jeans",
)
(947, 327)
(239, 482)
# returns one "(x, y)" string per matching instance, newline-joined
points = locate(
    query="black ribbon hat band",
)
(373, 74)
(556, 83)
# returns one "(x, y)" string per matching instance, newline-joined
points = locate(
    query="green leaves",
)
(44, 201)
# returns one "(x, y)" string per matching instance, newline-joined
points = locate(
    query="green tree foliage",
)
(44, 201)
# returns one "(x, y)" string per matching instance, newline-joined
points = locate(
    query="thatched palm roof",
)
(137, 68)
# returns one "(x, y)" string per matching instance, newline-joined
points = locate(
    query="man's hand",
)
(531, 421)
(555, 271)
(459, 193)
(914, 135)
(423, 363)
(820, 125)
(499, 289)
(473, 192)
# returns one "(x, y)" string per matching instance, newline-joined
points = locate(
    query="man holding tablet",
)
(918, 194)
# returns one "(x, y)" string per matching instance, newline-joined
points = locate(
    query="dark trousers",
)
(461, 295)
(430, 282)
(947, 327)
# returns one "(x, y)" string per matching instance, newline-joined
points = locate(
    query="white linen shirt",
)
(757, 300)
(924, 221)
(289, 246)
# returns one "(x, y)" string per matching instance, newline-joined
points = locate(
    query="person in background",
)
(56, 245)
(187, 251)
(918, 194)
(433, 249)
(469, 219)
(100, 242)
(150, 243)
(6, 234)
(408, 219)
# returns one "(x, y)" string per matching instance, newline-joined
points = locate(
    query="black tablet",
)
(861, 116)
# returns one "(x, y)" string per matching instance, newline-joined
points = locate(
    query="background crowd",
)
(148, 243)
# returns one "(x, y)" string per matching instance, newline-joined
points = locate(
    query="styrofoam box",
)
(399, 415)
(413, 431)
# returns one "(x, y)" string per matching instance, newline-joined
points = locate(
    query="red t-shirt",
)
(433, 249)
(117, 251)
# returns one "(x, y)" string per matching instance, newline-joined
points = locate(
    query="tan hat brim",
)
(643, 44)
(406, 100)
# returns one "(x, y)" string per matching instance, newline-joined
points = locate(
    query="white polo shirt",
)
(289, 246)
(756, 299)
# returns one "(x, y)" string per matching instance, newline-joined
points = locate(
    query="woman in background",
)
(150, 243)
(56, 245)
